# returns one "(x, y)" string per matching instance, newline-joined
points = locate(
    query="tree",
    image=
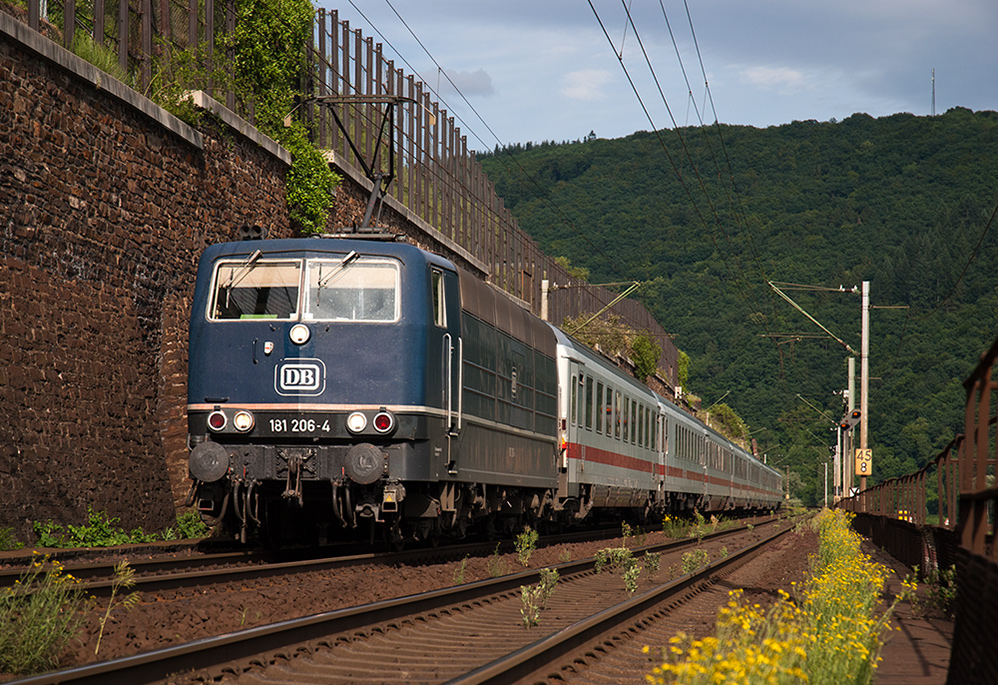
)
(645, 353)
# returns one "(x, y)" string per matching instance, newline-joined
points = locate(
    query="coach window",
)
(616, 414)
(600, 408)
(572, 409)
(626, 407)
(589, 402)
(439, 310)
(641, 426)
(634, 423)
(608, 410)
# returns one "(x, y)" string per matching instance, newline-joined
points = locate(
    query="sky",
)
(537, 70)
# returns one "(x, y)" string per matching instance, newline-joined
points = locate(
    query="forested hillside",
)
(705, 217)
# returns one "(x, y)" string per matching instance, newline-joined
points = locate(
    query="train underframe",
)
(301, 494)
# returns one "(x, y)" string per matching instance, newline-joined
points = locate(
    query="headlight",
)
(356, 422)
(242, 421)
(299, 334)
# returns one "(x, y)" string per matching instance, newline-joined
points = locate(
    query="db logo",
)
(300, 377)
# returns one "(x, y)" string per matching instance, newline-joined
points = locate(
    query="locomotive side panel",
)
(509, 392)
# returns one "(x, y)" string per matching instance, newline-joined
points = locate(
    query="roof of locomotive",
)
(402, 251)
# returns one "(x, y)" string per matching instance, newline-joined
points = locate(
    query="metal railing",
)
(350, 89)
(906, 497)
(893, 514)
(964, 474)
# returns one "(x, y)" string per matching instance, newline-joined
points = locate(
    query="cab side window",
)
(439, 309)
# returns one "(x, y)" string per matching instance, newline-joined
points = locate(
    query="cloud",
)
(586, 84)
(471, 83)
(781, 79)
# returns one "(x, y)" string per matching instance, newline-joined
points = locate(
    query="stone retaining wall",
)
(107, 202)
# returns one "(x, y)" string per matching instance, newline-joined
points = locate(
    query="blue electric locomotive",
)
(364, 384)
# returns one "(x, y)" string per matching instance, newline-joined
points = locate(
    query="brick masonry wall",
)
(103, 214)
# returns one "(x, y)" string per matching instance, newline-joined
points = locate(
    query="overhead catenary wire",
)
(614, 266)
(735, 281)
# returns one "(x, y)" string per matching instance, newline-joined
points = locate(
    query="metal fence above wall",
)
(350, 89)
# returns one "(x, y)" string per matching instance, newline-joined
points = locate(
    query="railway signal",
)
(850, 420)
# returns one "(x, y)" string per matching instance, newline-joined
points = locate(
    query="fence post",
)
(123, 34)
(69, 23)
(145, 70)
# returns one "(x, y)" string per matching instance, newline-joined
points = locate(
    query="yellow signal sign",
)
(864, 462)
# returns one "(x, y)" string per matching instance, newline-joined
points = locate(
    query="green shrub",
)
(694, 560)
(630, 575)
(460, 570)
(101, 57)
(39, 616)
(102, 530)
(8, 541)
(496, 564)
(535, 597)
(611, 558)
(526, 543)
(190, 526)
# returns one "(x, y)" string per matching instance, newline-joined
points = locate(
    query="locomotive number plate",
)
(299, 425)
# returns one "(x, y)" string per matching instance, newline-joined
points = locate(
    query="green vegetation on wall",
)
(269, 46)
(267, 67)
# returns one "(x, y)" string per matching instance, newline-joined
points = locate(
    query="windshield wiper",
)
(246, 266)
(339, 267)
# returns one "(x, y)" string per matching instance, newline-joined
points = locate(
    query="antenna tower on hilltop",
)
(933, 92)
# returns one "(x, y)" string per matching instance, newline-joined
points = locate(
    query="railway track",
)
(173, 572)
(471, 633)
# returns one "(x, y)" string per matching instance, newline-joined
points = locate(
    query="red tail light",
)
(216, 420)
(383, 422)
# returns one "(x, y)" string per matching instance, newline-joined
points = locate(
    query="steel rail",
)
(535, 659)
(281, 637)
(98, 577)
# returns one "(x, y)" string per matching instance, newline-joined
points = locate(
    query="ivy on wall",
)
(265, 71)
(269, 44)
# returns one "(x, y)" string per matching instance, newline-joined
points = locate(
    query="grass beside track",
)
(831, 631)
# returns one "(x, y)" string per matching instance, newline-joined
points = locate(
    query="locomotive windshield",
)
(256, 290)
(351, 289)
(360, 290)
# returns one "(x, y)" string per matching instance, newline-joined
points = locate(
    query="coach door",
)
(572, 440)
(446, 338)
(661, 442)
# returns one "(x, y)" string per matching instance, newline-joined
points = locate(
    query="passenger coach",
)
(625, 447)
